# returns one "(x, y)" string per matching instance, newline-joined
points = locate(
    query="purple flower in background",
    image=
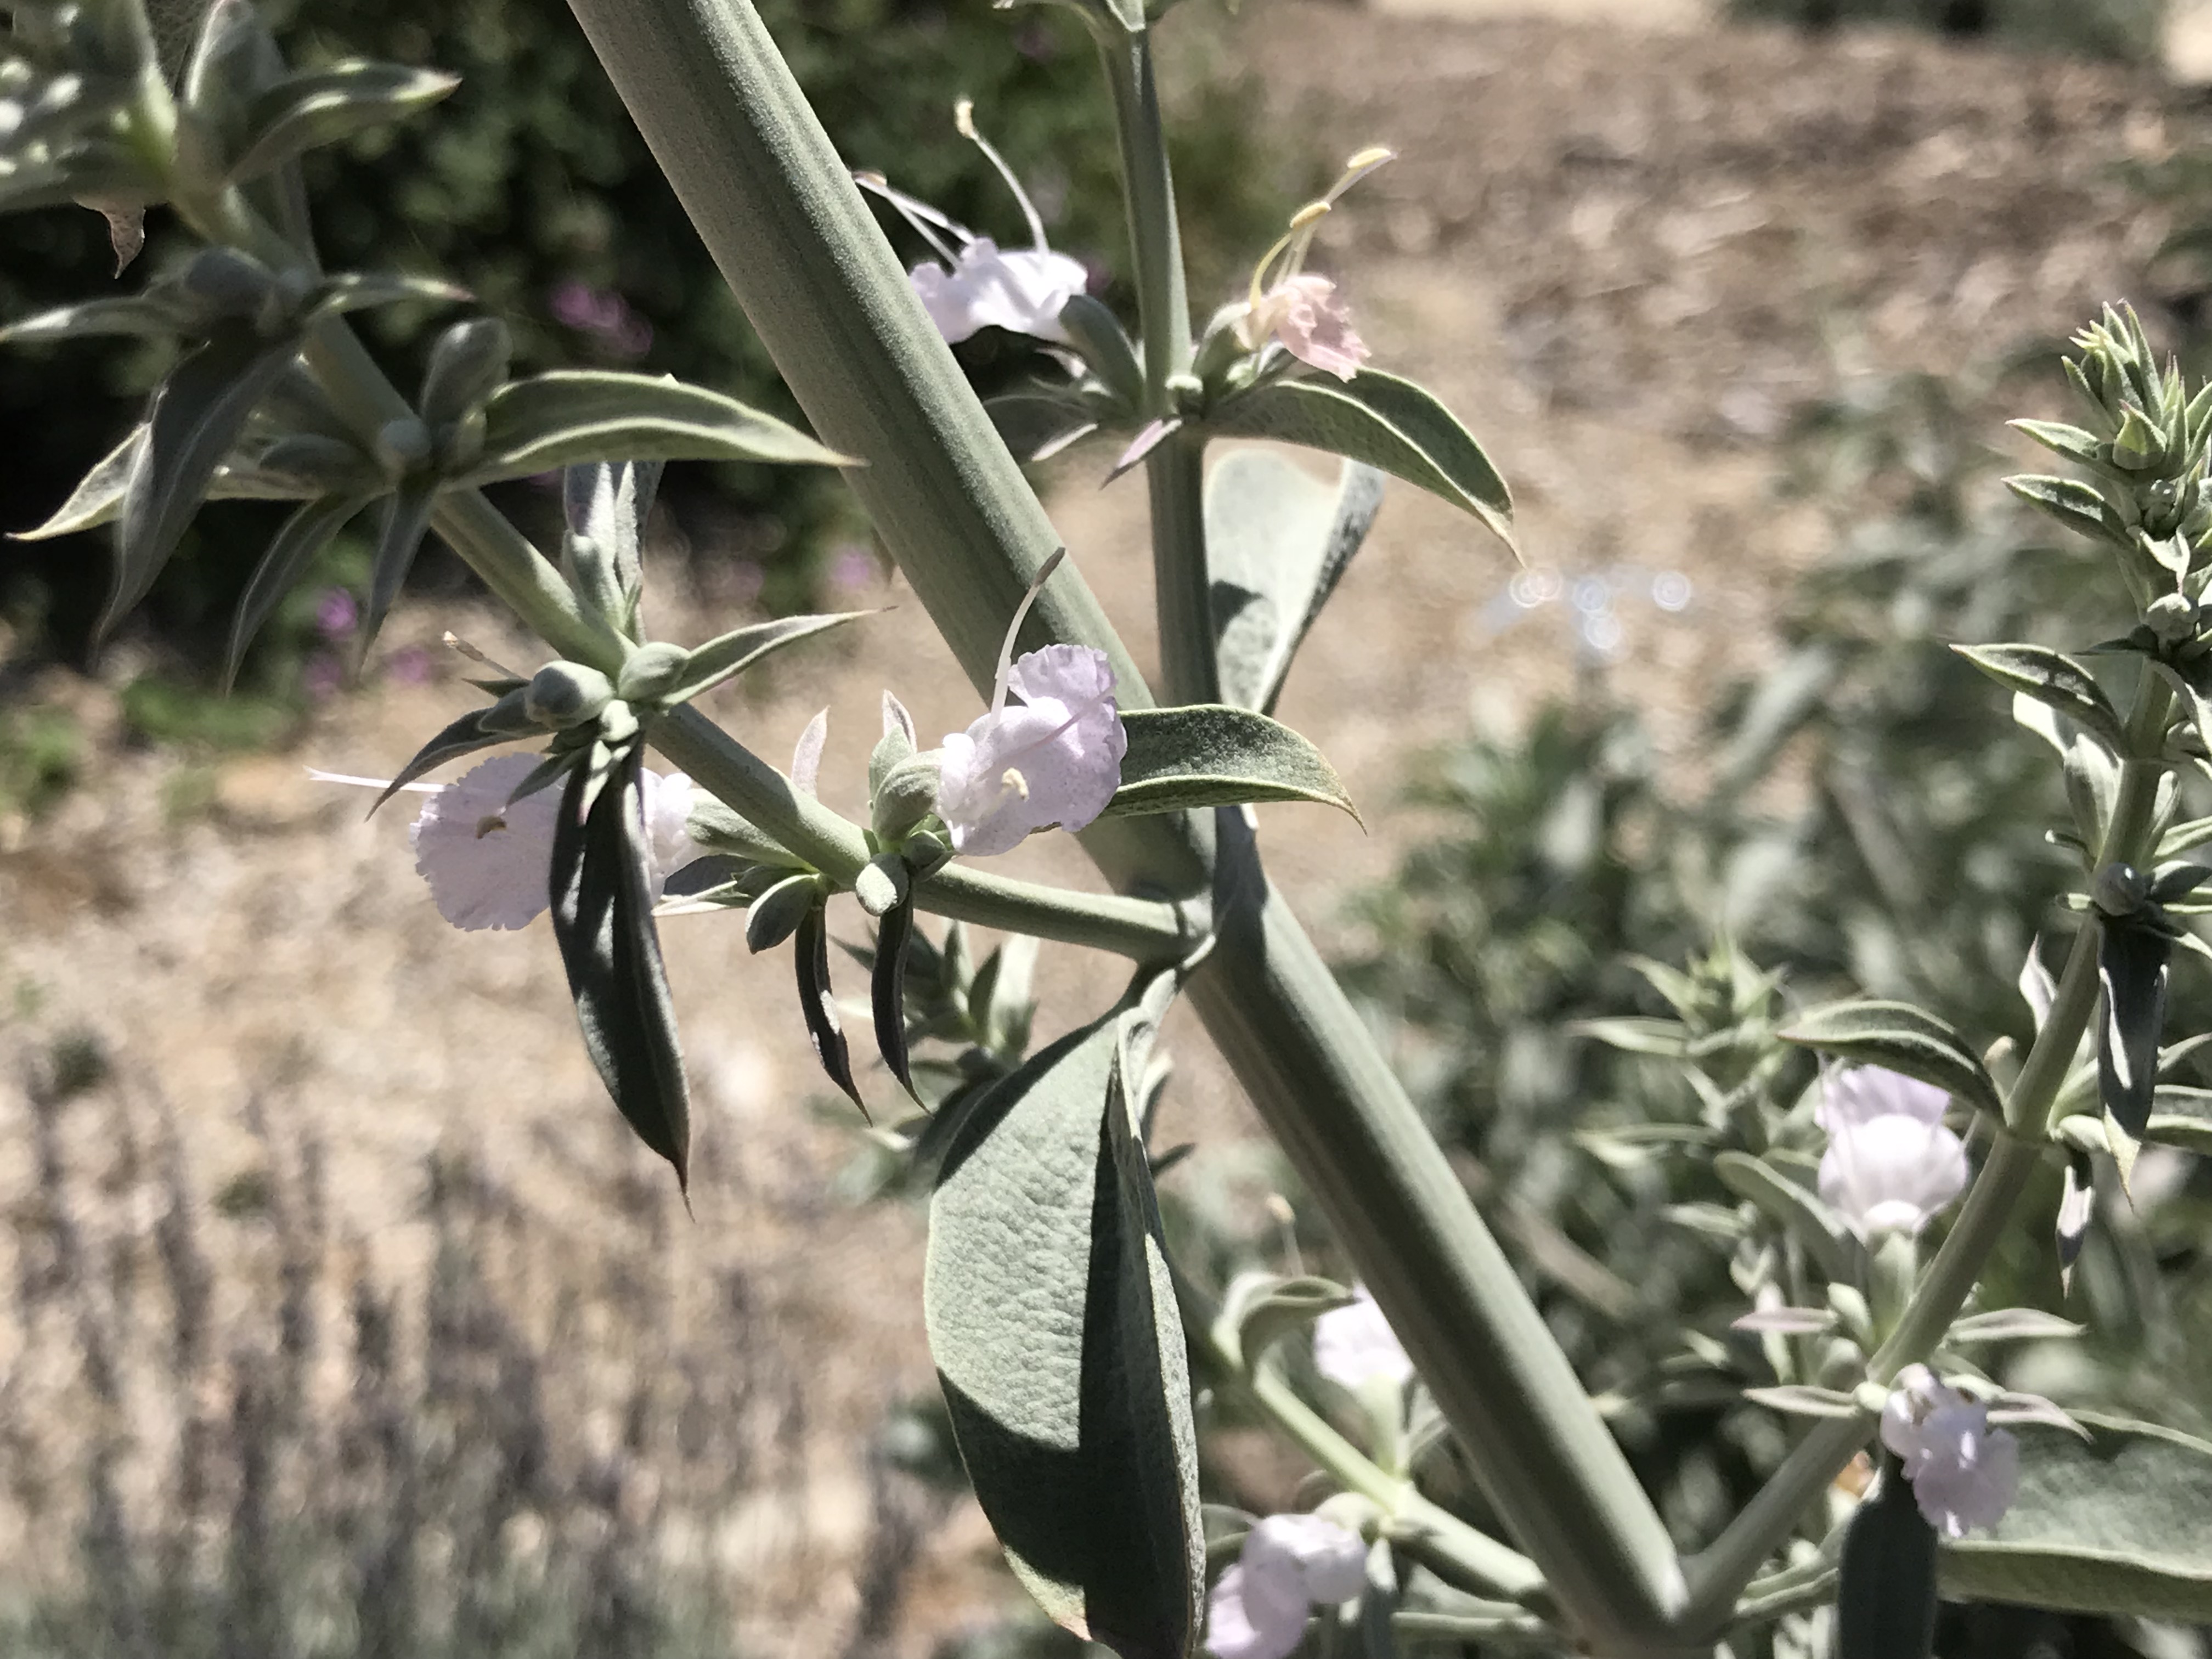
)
(336, 614)
(854, 567)
(322, 676)
(409, 666)
(604, 315)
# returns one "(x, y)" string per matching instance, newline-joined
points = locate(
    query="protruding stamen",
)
(963, 118)
(490, 823)
(1013, 628)
(918, 215)
(1011, 782)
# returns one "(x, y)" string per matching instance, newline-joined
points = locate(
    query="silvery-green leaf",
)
(195, 418)
(775, 916)
(468, 362)
(1382, 421)
(1211, 755)
(1785, 1321)
(1098, 334)
(503, 722)
(2134, 963)
(142, 314)
(2183, 837)
(2181, 1117)
(2121, 1523)
(887, 987)
(1798, 1399)
(1260, 1309)
(1885, 1594)
(817, 1002)
(365, 290)
(726, 658)
(2078, 506)
(1378, 1604)
(606, 504)
(602, 905)
(2092, 776)
(1277, 541)
(305, 534)
(573, 416)
(1902, 1038)
(98, 497)
(2012, 1325)
(323, 105)
(1799, 1212)
(399, 532)
(2071, 441)
(1637, 1035)
(2052, 677)
(1055, 1333)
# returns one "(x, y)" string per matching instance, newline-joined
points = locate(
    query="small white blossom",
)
(1290, 1564)
(1054, 760)
(1354, 1343)
(1964, 1473)
(1021, 290)
(1891, 1166)
(1305, 315)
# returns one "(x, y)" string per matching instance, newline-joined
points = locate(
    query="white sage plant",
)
(1079, 1357)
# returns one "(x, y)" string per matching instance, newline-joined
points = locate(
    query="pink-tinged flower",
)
(1964, 1473)
(1022, 290)
(1353, 1344)
(1052, 761)
(1305, 315)
(1290, 1564)
(1891, 1166)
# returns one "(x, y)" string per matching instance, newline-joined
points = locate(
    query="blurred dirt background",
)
(1623, 253)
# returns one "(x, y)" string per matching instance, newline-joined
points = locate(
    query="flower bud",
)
(882, 886)
(2172, 617)
(402, 446)
(775, 916)
(2139, 446)
(221, 282)
(563, 695)
(908, 796)
(468, 362)
(2120, 890)
(925, 853)
(652, 670)
(460, 442)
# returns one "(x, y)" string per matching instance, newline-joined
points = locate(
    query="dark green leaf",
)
(480, 728)
(2051, 677)
(2133, 963)
(887, 989)
(817, 1002)
(2077, 1203)
(305, 534)
(1798, 1212)
(195, 418)
(1378, 1603)
(98, 497)
(1902, 1038)
(321, 107)
(1277, 540)
(399, 532)
(1885, 1597)
(1211, 755)
(2120, 1524)
(602, 904)
(575, 416)
(1382, 421)
(1057, 1337)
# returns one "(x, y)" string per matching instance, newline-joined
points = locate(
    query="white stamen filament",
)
(963, 118)
(1013, 628)
(920, 216)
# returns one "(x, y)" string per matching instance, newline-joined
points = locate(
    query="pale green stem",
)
(1719, 1573)
(1155, 239)
(781, 216)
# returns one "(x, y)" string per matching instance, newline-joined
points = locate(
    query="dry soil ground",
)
(1623, 254)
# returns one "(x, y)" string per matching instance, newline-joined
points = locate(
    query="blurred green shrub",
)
(531, 186)
(2131, 31)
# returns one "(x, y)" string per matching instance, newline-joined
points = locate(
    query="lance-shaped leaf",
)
(1901, 1037)
(399, 532)
(1277, 539)
(2012, 1325)
(147, 315)
(2052, 677)
(1885, 1594)
(2077, 1204)
(305, 534)
(1211, 755)
(321, 107)
(98, 497)
(1382, 421)
(602, 902)
(573, 416)
(1798, 1211)
(818, 1003)
(2133, 964)
(2192, 685)
(1261, 1308)
(2078, 506)
(887, 987)
(503, 722)
(1055, 1330)
(606, 503)
(2120, 1523)
(2181, 1117)
(196, 416)
(725, 659)
(365, 290)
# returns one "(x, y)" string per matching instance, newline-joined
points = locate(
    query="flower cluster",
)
(1891, 1166)
(1290, 1564)
(1964, 1473)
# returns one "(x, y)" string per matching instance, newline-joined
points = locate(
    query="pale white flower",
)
(1054, 760)
(1303, 314)
(1355, 1343)
(1964, 1473)
(1891, 1166)
(1020, 289)
(489, 860)
(1290, 1563)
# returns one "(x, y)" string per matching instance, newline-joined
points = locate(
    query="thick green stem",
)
(1182, 591)
(1154, 239)
(780, 215)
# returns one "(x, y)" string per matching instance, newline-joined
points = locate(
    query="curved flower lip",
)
(1855, 1094)
(1290, 1563)
(1354, 1344)
(1965, 1473)
(1892, 1173)
(1304, 315)
(1053, 761)
(1021, 291)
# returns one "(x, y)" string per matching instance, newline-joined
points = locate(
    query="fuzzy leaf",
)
(817, 1002)
(1791, 1206)
(98, 497)
(322, 106)
(1261, 1308)
(602, 905)
(1038, 425)
(2181, 1117)
(2052, 677)
(1055, 1333)
(399, 532)
(1901, 1037)
(1886, 1594)
(887, 987)
(1277, 540)
(2077, 505)
(305, 534)
(1211, 755)
(1800, 1399)
(1382, 421)
(725, 659)
(2012, 1325)
(573, 416)
(2133, 965)
(2120, 1523)
(140, 315)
